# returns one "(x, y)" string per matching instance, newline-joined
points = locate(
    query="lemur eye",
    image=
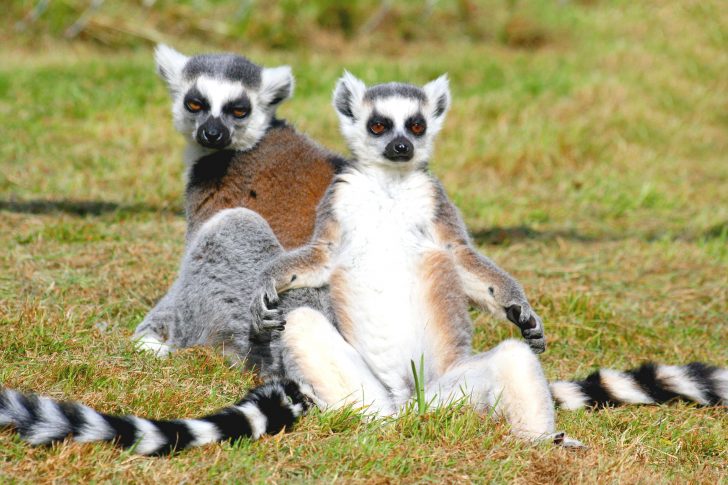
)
(417, 128)
(377, 128)
(193, 106)
(240, 112)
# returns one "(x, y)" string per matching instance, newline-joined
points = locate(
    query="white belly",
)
(384, 239)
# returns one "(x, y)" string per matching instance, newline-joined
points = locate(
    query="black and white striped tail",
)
(648, 384)
(269, 408)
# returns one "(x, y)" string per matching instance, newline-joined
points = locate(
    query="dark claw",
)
(531, 323)
(269, 303)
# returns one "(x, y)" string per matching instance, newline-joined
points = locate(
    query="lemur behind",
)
(253, 184)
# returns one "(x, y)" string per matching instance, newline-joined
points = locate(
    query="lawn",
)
(587, 147)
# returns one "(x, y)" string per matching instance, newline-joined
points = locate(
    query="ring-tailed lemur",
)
(359, 358)
(239, 155)
(401, 268)
(253, 184)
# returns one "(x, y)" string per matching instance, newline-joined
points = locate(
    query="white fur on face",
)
(370, 149)
(354, 113)
(218, 92)
(245, 133)
(276, 86)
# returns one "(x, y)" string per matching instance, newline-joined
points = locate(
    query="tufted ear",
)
(348, 95)
(276, 85)
(169, 66)
(438, 96)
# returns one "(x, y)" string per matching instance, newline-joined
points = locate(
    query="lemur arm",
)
(306, 267)
(486, 285)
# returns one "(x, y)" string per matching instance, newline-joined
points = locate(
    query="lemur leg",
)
(314, 352)
(507, 379)
(208, 304)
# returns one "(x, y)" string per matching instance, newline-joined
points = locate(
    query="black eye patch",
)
(238, 108)
(195, 99)
(416, 124)
(378, 125)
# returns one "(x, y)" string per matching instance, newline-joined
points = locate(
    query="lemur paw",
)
(266, 315)
(530, 324)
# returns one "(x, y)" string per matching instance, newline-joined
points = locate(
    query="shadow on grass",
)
(506, 235)
(82, 207)
(717, 231)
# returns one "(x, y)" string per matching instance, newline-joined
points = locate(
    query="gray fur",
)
(208, 303)
(505, 289)
(401, 90)
(227, 66)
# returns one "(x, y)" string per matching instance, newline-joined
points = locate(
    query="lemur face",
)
(222, 101)
(391, 124)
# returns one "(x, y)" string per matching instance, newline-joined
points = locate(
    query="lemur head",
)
(391, 124)
(222, 101)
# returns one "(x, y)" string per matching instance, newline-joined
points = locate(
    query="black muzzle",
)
(399, 150)
(213, 134)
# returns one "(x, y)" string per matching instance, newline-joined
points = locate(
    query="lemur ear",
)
(438, 95)
(276, 84)
(348, 94)
(169, 66)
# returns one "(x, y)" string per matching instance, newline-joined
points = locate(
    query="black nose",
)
(399, 150)
(213, 134)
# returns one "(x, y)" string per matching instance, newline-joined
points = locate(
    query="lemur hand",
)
(266, 317)
(530, 324)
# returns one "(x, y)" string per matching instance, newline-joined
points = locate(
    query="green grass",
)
(586, 148)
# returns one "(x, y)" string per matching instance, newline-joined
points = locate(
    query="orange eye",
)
(240, 112)
(193, 105)
(417, 128)
(377, 128)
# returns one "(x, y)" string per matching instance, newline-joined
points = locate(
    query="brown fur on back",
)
(282, 178)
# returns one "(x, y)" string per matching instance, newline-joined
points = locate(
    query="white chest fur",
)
(387, 227)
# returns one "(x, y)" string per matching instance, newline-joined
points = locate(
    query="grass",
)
(586, 148)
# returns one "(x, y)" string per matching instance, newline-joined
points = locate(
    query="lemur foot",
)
(149, 343)
(266, 315)
(530, 324)
(560, 439)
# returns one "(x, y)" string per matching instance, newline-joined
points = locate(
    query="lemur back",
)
(282, 179)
